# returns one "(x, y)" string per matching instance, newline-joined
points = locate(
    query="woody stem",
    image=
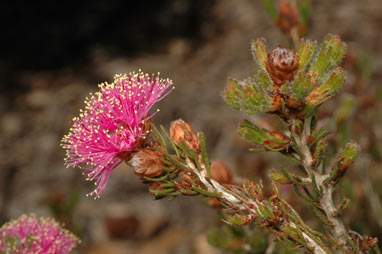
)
(325, 201)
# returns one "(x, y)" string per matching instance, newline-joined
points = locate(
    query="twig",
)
(326, 198)
(250, 205)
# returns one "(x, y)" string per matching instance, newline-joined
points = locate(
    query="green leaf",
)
(302, 86)
(292, 177)
(343, 161)
(262, 78)
(237, 220)
(305, 53)
(156, 179)
(262, 137)
(319, 152)
(172, 144)
(260, 52)
(298, 89)
(280, 178)
(344, 204)
(323, 92)
(318, 136)
(162, 193)
(267, 213)
(232, 93)
(206, 193)
(155, 132)
(332, 51)
(174, 160)
(248, 96)
(348, 155)
(252, 133)
(303, 196)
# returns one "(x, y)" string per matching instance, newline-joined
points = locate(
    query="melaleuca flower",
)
(32, 235)
(114, 123)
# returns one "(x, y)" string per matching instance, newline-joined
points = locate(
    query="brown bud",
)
(146, 162)
(220, 172)
(309, 139)
(282, 65)
(180, 131)
(185, 181)
(156, 186)
(276, 102)
(293, 103)
(288, 17)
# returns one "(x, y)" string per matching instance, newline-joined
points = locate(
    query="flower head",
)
(114, 123)
(32, 235)
(282, 65)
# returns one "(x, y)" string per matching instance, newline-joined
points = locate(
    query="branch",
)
(240, 201)
(326, 196)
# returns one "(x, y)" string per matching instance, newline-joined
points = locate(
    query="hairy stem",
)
(241, 201)
(326, 196)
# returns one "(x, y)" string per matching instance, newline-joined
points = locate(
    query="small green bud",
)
(231, 93)
(346, 158)
(279, 177)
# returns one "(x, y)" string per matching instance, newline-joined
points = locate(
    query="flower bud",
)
(220, 172)
(276, 103)
(288, 17)
(282, 65)
(180, 131)
(185, 181)
(278, 177)
(147, 162)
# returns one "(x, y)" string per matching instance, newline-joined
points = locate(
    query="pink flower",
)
(113, 124)
(32, 235)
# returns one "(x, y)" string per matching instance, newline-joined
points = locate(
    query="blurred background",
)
(54, 53)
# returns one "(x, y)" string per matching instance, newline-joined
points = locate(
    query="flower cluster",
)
(114, 123)
(32, 235)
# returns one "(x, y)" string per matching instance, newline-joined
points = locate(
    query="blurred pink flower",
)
(32, 235)
(113, 124)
